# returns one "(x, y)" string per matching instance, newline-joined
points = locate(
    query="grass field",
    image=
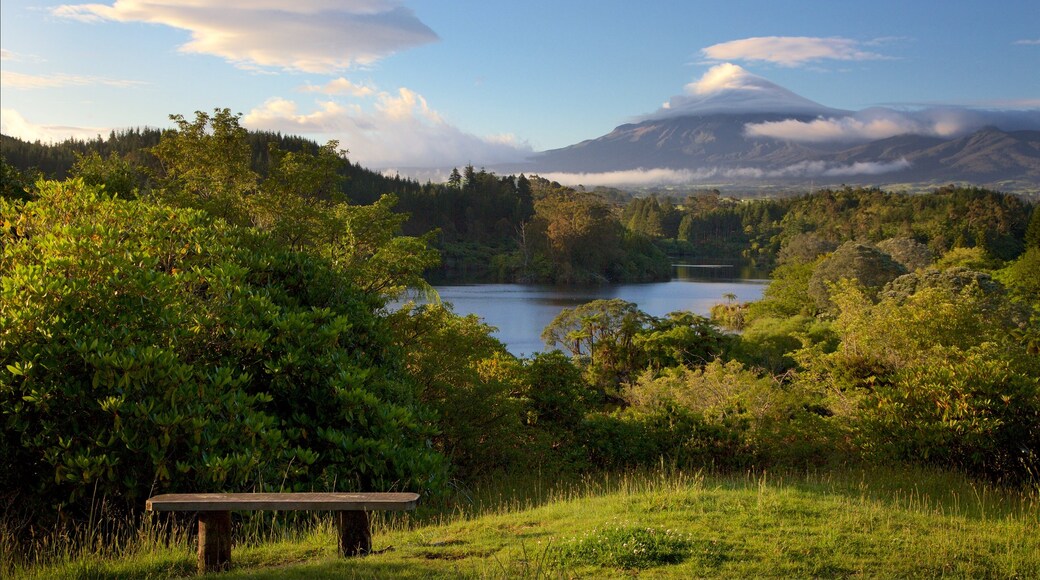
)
(662, 524)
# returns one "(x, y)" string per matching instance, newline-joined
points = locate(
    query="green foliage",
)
(147, 348)
(680, 339)
(768, 422)
(600, 334)
(804, 249)
(612, 340)
(366, 245)
(954, 279)
(934, 376)
(468, 378)
(556, 396)
(652, 217)
(1022, 277)
(581, 236)
(207, 164)
(770, 343)
(913, 255)
(627, 548)
(13, 184)
(731, 316)
(864, 264)
(788, 292)
(971, 258)
(675, 436)
(1032, 235)
(116, 174)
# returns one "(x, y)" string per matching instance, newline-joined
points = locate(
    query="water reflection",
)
(521, 311)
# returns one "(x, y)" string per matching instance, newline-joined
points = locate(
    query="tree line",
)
(225, 327)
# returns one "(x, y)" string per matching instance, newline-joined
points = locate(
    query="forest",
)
(204, 308)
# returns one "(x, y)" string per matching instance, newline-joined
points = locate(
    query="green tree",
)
(470, 380)
(1022, 277)
(601, 335)
(913, 255)
(13, 184)
(116, 174)
(455, 179)
(207, 164)
(936, 376)
(681, 339)
(1032, 237)
(852, 261)
(148, 348)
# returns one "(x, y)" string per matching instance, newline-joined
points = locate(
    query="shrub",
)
(871, 268)
(149, 349)
(632, 438)
(466, 376)
(756, 418)
(936, 376)
(913, 255)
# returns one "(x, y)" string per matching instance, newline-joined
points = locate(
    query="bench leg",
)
(214, 541)
(355, 536)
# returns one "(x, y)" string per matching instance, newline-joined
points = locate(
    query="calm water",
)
(521, 311)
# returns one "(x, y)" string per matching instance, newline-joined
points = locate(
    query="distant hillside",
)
(740, 128)
(54, 161)
(717, 147)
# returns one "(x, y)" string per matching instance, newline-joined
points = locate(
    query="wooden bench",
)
(214, 509)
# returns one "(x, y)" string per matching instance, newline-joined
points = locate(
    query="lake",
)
(522, 311)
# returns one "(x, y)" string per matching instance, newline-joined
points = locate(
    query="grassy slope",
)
(893, 524)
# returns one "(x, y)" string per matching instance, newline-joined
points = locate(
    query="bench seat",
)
(282, 502)
(214, 513)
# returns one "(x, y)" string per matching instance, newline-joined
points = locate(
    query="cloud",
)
(340, 86)
(789, 50)
(12, 123)
(7, 55)
(397, 129)
(316, 36)
(881, 123)
(662, 176)
(25, 81)
(729, 88)
(867, 168)
(1028, 42)
(722, 77)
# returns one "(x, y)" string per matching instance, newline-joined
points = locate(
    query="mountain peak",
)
(730, 89)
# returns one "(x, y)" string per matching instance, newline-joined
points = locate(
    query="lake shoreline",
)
(520, 312)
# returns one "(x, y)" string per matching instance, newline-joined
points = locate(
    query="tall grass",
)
(818, 523)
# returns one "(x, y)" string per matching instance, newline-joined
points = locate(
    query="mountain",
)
(729, 89)
(733, 126)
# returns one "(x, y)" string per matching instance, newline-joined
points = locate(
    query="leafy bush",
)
(971, 258)
(913, 255)
(867, 265)
(770, 343)
(765, 421)
(147, 349)
(556, 397)
(1022, 276)
(934, 376)
(613, 340)
(633, 438)
(787, 293)
(466, 376)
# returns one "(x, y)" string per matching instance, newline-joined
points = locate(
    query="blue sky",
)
(450, 82)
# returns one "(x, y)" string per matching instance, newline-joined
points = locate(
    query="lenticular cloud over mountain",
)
(729, 88)
(733, 127)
